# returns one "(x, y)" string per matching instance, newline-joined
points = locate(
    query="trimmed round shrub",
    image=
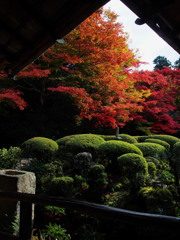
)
(176, 157)
(108, 137)
(97, 180)
(152, 150)
(113, 149)
(159, 201)
(167, 138)
(97, 169)
(176, 151)
(154, 160)
(40, 148)
(152, 169)
(60, 186)
(75, 144)
(133, 168)
(158, 141)
(127, 138)
(141, 138)
(97, 175)
(123, 137)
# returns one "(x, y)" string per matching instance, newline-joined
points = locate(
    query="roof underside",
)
(163, 16)
(29, 27)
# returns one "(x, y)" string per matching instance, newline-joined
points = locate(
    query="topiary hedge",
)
(154, 160)
(176, 151)
(79, 143)
(158, 141)
(158, 201)
(60, 186)
(123, 137)
(127, 138)
(152, 150)
(152, 169)
(167, 138)
(176, 157)
(133, 168)
(40, 148)
(112, 149)
(108, 137)
(141, 138)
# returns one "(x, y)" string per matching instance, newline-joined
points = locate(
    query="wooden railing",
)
(169, 224)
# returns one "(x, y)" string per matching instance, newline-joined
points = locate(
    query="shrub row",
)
(101, 147)
(171, 140)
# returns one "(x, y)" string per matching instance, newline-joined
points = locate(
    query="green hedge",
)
(127, 138)
(152, 150)
(152, 169)
(9, 158)
(108, 137)
(154, 160)
(134, 168)
(141, 138)
(176, 151)
(79, 143)
(158, 201)
(60, 186)
(167, 138)
(40, 148)
(158, 141)
(112, 149)
(176, 157)
(123, 137)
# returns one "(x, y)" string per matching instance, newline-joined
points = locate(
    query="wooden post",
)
(25, 230)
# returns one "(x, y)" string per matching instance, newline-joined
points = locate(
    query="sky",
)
(142, 37)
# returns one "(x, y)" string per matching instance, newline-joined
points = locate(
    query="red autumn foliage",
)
(94, 68)
(14, 97)
(34, 73)
(160, 108)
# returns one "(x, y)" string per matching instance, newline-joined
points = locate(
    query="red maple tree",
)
(160, 109)
(93, 66)
(13, 98)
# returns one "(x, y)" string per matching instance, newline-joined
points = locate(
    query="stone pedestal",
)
(14, 181)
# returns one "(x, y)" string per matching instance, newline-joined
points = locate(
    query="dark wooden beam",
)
(70, 17)
(7, 54)
(13, 32)
(35, 14)
(126, 216)
(6, 236)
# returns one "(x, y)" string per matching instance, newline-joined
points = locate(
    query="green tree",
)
(161, 62)
(177, 64)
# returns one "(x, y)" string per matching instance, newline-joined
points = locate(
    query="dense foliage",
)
(80, 143)
(39, 147)
(140, 176)
(9, 158)
(89, 83)
(158, 141)
(88, 80)
(110, 150)
(161, 109)
(134, 169)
